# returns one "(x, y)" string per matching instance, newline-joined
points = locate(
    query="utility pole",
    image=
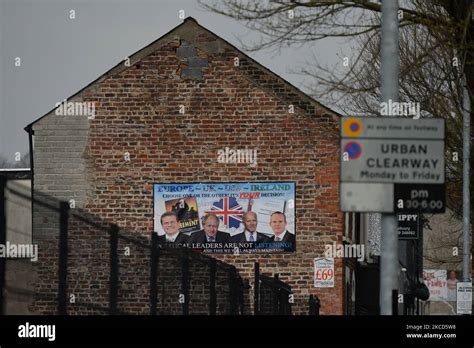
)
(466, 226)
(389, 264)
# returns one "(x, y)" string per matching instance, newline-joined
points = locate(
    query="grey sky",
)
(59, 55)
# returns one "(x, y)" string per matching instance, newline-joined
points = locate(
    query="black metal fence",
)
(188, 260)
(181, 281)
(85, 257)
(271, 295)
(314, 305)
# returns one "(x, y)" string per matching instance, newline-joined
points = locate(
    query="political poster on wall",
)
(435, 280)
(233, 217)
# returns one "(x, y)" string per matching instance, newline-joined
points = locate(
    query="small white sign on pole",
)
(324, 273)
(464, 298)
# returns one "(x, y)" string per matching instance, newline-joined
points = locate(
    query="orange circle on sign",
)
(352, 126)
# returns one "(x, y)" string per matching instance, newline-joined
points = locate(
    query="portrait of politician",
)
(210, 233)
(250, 233)
(170, 224)
(281, 234)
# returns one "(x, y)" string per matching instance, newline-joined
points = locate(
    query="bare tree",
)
(436, 49)
(442, 241)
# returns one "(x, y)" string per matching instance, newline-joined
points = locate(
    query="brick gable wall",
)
(137, 111)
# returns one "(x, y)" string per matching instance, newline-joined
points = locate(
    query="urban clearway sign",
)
(392, 164)
(393, 161)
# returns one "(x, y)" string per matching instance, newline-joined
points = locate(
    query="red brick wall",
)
(88, 278)
(138, 112)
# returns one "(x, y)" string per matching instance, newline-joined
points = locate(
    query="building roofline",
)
(16, 173)
(29, 127)
(15, 169)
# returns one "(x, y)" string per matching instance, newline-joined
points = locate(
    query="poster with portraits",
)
(240, 217)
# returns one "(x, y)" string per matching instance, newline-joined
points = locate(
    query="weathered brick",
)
(244, 106)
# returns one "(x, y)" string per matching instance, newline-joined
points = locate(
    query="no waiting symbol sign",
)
(353, 150)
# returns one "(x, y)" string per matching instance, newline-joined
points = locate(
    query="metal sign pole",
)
(389, 90)
(466, 257)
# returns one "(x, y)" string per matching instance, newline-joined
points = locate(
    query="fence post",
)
(406, 307)
(113, 280)
(63, 250)
(395, 302)
(276, 296)
(241, 296)
(256, 291)
(314, 305)
(212, 288)
(185, 281)
(232, 292)
(3, 237)
(154, 273)
(285, 307)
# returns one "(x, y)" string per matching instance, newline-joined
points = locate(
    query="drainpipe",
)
(31, 132)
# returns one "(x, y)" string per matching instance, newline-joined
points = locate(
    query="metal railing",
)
(213, 281)
(314, 305)
(186, 256)
(271, 295)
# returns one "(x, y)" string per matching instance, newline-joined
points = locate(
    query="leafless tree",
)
(436, 50)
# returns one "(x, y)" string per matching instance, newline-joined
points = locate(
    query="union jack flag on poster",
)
(229, 211)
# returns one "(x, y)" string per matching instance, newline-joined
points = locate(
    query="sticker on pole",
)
(408, 226)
